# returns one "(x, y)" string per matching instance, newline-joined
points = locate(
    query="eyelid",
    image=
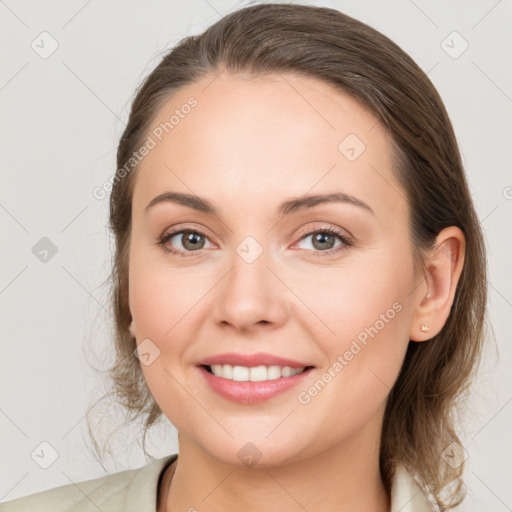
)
(325, 226)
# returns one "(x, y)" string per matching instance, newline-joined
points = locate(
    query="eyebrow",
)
(290, 206)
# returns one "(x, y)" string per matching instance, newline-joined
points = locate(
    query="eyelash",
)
(161, 241)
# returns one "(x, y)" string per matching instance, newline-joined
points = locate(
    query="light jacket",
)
(136, 490)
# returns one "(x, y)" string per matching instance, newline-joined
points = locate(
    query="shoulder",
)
(408, 496)
(133, 489)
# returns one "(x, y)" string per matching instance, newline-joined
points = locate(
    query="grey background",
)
(61, 118)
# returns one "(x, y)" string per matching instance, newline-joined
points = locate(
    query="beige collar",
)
(408, 496)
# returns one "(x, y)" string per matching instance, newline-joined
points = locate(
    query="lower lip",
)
(252, 392)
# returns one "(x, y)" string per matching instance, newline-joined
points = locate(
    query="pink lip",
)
(250, 360)
(251, 392)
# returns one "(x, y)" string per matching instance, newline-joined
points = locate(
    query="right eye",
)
(191, 240)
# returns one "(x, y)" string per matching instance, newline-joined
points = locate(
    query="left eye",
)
(323, 240)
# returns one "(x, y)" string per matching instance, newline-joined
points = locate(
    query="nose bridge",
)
(250, 294)
(249, 276)
(251, 249)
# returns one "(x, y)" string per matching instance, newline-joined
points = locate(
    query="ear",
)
(436, 293)
(131, 327)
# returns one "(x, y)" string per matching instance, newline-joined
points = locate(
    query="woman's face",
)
(260, 276)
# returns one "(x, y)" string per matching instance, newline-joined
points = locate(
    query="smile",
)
(252, 385)
(253, 374)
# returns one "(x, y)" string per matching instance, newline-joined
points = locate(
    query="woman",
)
(299, 270)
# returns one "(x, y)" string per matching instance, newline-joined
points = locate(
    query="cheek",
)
(162, 298)
(363, 360)
(162, 303)
(168, 305)
(156, 304)
(353, 298)
(369, 310)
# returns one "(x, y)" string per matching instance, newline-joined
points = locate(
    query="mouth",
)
(253, 373)
(252, 384)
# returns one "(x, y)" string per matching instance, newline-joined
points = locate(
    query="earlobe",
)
(443, 269)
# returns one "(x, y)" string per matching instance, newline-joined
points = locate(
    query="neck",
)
(343, 478)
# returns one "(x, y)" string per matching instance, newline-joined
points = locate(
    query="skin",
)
(248, 145)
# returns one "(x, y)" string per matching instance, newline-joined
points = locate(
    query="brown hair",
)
(328, 45)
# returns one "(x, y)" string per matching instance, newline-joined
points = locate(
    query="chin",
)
(257, 453)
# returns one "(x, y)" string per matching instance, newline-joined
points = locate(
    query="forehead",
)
(261, 136)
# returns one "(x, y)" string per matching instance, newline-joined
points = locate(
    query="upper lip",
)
(249, 360)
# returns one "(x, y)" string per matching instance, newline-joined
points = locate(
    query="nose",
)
(251, 296)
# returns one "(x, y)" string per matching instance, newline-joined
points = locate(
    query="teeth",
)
(253, 374)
